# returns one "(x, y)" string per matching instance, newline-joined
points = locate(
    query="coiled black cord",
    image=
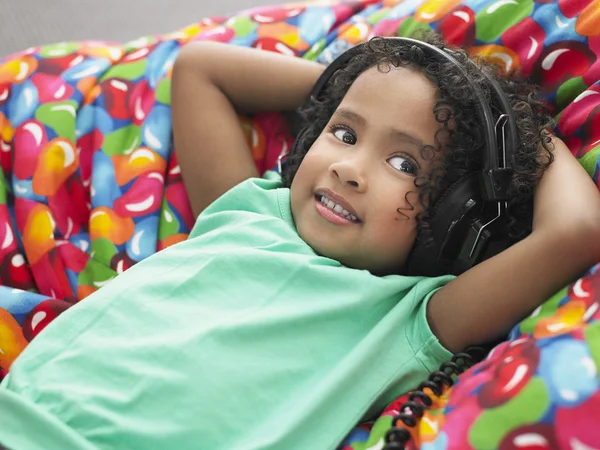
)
(418, 402)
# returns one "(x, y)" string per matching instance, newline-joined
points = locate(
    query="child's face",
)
(366, 161)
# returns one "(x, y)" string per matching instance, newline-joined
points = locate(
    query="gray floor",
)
(24, 23)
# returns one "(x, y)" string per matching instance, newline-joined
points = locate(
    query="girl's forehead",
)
(399, 98)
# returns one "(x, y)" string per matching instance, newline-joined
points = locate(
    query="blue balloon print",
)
(404, 9)
(143, 242)
(18, 302)
(90, 117)
(315, 23)
(104, 183)
(569, 371)
(440, 443)
(245, 41)
(156, 130)
(557, 27)
(81, 241)
(90, 67)
(22, 103)
(24, 189)
(160, 59)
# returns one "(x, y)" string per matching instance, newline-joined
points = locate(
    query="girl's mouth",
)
(334, 212)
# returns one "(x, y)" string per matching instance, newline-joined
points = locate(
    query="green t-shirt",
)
(240, 337)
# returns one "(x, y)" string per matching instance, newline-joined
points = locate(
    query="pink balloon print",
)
(69, 207)
(139, 53)
(593, 74)
(5, 90)
(141, 101)
(116, 97)
(271, 14)
(7, 236)
(519, 363)
(577, 113)
(577, 427)
(15, 271)
(526, 39)
(458, 27)
(539, 436)
(72, 256)
(570, 8)
(144, 196)
(177, 198)
(51, 88)
(55, 66)
(219, 34)
(274, 45)
(87, 145)
(29, 139)
(561, 61)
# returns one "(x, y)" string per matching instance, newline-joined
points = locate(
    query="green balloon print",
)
(4, 188)
(568, 91)
(122, 141)
(527, 407)
(242, 25)
(128, 71)
(409, 26)
(592, 339)
(589, 161)
(547, 309)
(500, 16)
(168, 224)
(58, 50)
(95, 274)
(60, 117)
(163, 91)
(103, 250)
(313, 53)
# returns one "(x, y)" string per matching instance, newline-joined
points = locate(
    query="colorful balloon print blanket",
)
(90, 185)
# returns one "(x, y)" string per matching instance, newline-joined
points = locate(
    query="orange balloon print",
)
(588, 22)
(565, 319)
(105, 223)
(255, 137)
(434, 10)
(17, 70)
(172, 240)
(83, 291)
(141, 160)
(503, 56)
(111, 53)
(58, 161)
(12, 341)
(38, 235)
(85, 85)
(286, 33)
(6, 130)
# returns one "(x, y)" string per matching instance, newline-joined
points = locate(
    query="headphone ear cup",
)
(451, 219)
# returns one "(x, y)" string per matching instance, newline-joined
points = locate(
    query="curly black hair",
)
(456, 111)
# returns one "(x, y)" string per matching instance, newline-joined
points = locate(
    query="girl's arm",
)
(482, 304)
(211, 83)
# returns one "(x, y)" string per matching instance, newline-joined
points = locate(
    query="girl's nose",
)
(349, 172)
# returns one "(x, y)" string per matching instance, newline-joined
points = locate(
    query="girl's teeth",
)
(337, 208)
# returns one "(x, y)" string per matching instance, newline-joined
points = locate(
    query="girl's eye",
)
(344, 135)
(403, 164)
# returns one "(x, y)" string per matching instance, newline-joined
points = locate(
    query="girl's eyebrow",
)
(352, 116)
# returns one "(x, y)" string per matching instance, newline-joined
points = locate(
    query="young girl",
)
(285, 318)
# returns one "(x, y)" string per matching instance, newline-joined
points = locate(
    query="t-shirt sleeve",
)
(428, 349)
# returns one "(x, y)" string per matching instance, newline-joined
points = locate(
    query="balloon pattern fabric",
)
(90, 185)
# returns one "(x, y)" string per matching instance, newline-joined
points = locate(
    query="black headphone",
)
(468, 222)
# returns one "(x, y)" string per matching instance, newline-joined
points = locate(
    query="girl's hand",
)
(482, 304)
(212, 82)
